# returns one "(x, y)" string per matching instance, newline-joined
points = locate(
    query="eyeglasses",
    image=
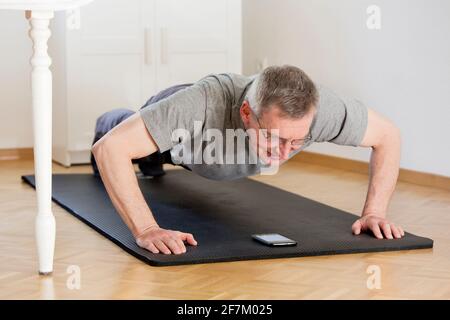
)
(296, 143)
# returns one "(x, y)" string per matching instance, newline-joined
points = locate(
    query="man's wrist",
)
(380, 214)
(141, 231)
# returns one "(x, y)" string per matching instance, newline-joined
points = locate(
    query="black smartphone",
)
(274, 239)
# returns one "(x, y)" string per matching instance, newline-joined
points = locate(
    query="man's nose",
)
(284, 151)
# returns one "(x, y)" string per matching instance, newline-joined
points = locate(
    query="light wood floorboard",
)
(107, 272)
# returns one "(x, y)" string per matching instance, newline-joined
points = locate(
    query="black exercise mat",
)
(222, 215)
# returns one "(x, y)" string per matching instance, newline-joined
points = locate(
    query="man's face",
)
(275, 136)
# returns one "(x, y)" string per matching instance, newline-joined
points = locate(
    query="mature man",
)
(280, 104)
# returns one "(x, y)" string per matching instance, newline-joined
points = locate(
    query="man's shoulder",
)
(231, 86)
(228, 79)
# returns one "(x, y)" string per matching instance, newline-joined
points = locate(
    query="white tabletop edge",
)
(42, 5)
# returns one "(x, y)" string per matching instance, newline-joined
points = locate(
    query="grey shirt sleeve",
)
(178, 111)
(340, 121)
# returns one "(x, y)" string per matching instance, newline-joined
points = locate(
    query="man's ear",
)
(245, 112)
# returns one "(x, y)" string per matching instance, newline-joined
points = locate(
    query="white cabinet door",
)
(195, 38)
(105, 64)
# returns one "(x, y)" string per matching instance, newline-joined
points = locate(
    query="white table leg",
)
(41, 87)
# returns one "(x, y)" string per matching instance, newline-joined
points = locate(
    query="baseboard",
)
(76, 157)
(405, 175)
(16, 154)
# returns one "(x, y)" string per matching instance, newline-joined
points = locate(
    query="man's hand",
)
(378, 226)
(165, 241)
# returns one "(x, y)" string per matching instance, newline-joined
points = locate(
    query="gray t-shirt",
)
(214, 102)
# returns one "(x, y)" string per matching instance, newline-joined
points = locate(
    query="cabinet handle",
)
(148, 46)
(163, 45)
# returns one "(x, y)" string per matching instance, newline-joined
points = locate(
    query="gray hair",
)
(286, 87)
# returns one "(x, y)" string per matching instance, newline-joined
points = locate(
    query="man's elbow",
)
(95, 149)
(391, 137)
(395, 133)
(101, 147)
(107, 148)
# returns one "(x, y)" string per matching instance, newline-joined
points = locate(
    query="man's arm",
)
(114, 153)
(384, 139)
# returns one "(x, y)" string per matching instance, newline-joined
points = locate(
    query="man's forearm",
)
(120, 181)
(384, 168)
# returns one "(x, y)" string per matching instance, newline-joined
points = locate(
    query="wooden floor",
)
(107, 272)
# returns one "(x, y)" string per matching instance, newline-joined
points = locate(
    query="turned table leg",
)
(41, 87)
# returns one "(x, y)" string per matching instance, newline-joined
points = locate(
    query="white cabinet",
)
(126, 51)
(196, 37)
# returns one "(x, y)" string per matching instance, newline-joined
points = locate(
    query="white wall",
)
(15, 91)
(401, 70)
